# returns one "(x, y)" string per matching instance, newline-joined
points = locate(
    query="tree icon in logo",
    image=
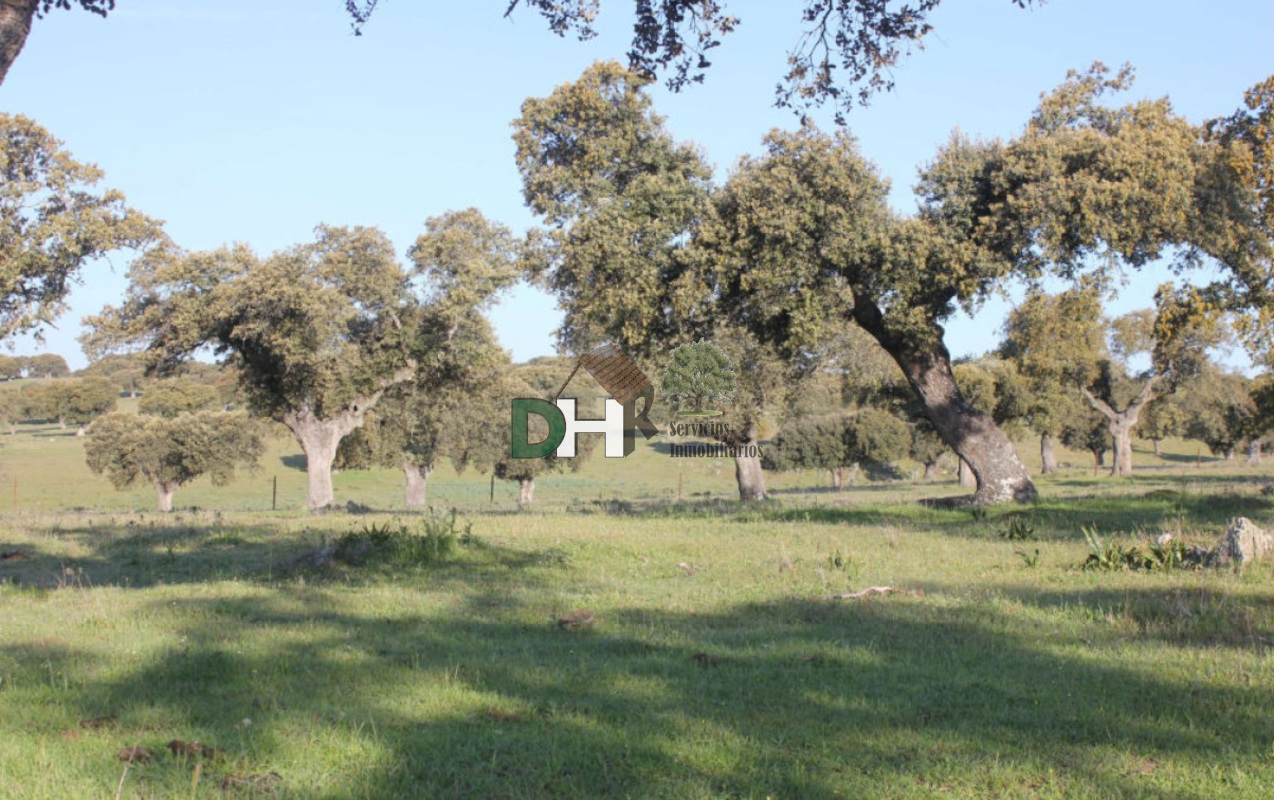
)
(698, 373)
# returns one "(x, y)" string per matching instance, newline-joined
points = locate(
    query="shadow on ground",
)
(783, 699)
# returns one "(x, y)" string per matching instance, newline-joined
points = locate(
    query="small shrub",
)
(1020, 529)
(1029, 560)
(837, 560)
(434, 540)
(1113, 557)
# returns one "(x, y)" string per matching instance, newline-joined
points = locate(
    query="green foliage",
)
(432, 541)
(1219, 410)
(1057, 341)
(1019, 529)
(54, 218)
(867, 436)
(171, 452)
(176, 396)
(621, 199)
(46, 365)
(1087, 431)
(1111, 556)
(125, 370)
(313, 327)
(840, 562)
(75, 401)
(459, 398)
(1029, 560)
(698, 373)
(466, 261)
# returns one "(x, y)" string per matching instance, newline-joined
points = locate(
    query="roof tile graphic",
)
(618, 374)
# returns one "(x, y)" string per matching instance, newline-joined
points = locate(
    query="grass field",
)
(719, 665)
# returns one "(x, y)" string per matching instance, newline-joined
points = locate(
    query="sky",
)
(243, 121)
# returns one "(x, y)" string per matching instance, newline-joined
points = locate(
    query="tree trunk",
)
(319, 443)
(1158, 447)
(62, 423)
(417, 479)
(747, 467)
(931, 469)
(164, 493)
(15, 25)
(1254, 451)
(1000, 474)
(1229, 453)
(526, 491)
(838, 478)
(319, 438)
(1121, 423)
(80, 431)
(1122, 434)
(965, 475)
(1047, 455)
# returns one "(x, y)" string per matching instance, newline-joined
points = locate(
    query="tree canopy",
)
(169, 452)
(54, 218)
(318, 331)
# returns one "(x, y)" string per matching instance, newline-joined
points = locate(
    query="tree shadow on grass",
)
(140, 553)
(897, 697)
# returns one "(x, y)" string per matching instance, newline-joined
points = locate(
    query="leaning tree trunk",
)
(15, 25)
(526, 491)
(965, 475)
(1047, 455)
(1121, 423)
(1254, 451)
(164, 495)
(417, 480)
(1000, 474)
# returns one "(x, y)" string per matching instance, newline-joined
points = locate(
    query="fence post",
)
(274, 495)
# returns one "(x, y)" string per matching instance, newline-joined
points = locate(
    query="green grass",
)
(718, 666)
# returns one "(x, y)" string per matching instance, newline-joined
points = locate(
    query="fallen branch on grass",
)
(871, 591)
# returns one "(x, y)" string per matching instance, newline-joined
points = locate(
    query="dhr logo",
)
(625, 383)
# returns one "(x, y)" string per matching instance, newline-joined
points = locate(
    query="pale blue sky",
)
(250, 121)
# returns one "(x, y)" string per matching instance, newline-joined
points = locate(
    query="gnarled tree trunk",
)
(931, 469)
(965, 475)
(417, 480)
(1048, 457)
(164, 494)
(15, 25)
(1000, 474)
(319, 438)
(1121, 423)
